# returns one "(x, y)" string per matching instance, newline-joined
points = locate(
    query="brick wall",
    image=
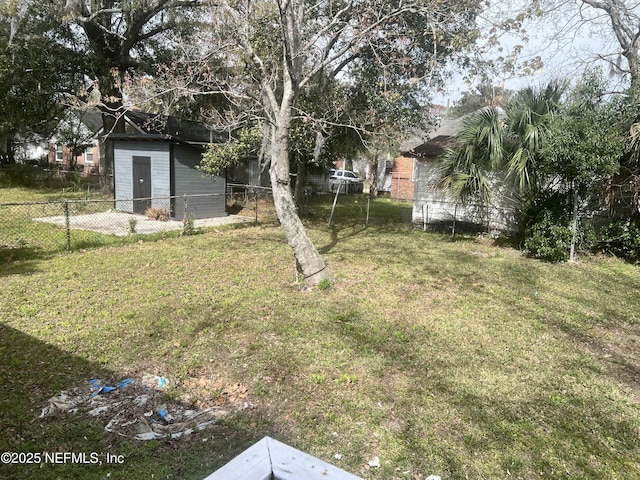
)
(82, 161)
(402, 181)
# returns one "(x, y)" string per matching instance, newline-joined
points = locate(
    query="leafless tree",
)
(581, 32)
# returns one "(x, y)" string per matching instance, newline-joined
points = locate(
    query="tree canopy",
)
(119, 38)
(39, 72)
(269, 56)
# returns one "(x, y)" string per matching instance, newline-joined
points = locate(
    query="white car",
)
(349, 181)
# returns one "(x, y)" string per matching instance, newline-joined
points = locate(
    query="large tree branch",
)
(348, 51)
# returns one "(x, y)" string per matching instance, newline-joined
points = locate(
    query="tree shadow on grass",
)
(560, 427)
(32, 371)
(21, 260)
(336, 237)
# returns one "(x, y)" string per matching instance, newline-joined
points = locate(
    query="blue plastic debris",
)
(124, 383)
(165, 416)
(97, 388)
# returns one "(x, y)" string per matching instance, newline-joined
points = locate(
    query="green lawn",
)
(440, 356)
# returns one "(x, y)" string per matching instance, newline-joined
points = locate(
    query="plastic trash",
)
(124, 383)
(374, 462)
(137, 411)
(97, 387)
(141, 400)
(164, 414)
(154, 381)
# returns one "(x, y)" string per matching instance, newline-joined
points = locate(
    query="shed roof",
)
(439, 138)
(92, 119)
(164, 127)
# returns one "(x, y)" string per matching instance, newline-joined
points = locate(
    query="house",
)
(403, 168)
(396, 174)
(402, 176)
(75, 145)
(431, 205)
(155, 165)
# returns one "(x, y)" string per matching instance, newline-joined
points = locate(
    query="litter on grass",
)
(138, 407)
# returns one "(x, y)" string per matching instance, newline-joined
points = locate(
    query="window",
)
(59, 154)
(88, 156)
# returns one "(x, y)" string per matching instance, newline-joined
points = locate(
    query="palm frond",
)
(463, 169)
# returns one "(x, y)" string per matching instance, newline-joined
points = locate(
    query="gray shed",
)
(155, 166)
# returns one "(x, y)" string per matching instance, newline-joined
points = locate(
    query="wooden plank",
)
(289, 463)
(252, 464)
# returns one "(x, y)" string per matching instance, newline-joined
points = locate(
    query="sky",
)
(567, 42)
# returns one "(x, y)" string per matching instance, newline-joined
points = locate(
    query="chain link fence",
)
(38, 228)
(51, 177)
(452, 217)
(63, 225)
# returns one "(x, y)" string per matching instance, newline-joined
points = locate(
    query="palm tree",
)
(478, 149)
(495, 140)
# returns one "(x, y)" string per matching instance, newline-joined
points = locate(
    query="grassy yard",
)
(23, 238)
(451, 357)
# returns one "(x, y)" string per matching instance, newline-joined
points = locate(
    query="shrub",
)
(622, 239)
(132, 225)
(157, 213)
(549, 239)
(188, 225)
(543, 208)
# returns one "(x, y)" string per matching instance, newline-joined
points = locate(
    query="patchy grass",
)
(440, 356)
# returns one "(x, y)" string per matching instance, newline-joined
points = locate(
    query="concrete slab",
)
(117, 223)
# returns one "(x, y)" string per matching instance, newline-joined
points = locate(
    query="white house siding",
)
(385, 166)
(433, 206)
(124, 151)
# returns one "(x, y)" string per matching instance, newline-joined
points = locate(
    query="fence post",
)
(67, 223)
(425, 216)
(185, 205)
(455, 214)
(335, 200)
(256, 192)
(574, 224)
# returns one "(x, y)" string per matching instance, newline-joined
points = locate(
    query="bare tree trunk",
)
(305, 252)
